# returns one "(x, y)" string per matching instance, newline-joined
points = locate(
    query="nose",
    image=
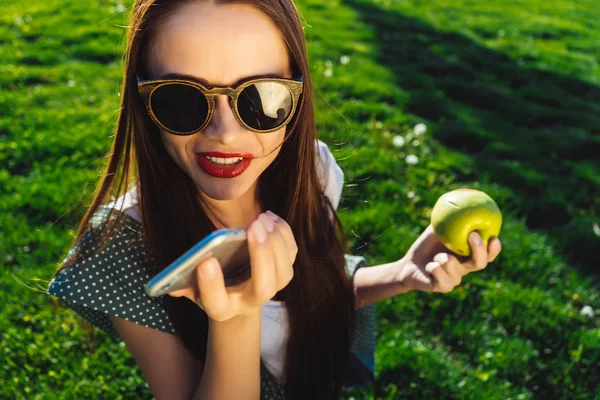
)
(223, 126)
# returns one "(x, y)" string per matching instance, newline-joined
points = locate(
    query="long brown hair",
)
(319, 299)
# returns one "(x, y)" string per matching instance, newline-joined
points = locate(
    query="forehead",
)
(219, 44)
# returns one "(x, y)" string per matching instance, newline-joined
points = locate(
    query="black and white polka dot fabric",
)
(110, 282)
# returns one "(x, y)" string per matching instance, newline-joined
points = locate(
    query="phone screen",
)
(228, 246)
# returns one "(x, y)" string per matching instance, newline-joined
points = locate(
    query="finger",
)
(268, 220)
(453, 268)
(283, 265)
(212, 295)
(187, 292)
(494, 249)
(443, 282)
(479, 255)
(262, 284)
(287, 233)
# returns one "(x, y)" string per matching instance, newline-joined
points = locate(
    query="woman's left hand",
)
(431, 267)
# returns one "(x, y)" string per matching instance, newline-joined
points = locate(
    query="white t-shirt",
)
(274, 318)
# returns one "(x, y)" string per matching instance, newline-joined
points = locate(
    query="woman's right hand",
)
(271, 263)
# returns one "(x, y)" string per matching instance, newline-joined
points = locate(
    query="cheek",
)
(167, 144)
(174, 145)
(271, 142)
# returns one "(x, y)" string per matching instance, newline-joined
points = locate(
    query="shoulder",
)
(330, 173)
(108, 279)
(326, 162)
(353, 263)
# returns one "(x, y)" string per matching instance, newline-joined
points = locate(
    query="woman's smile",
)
(224, 165)
(246, 43)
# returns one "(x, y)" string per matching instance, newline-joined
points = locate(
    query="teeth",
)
(224, 161)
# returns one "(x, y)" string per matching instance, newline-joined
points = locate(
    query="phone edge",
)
(151, 287)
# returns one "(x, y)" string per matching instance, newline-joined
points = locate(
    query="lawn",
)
(509, 95)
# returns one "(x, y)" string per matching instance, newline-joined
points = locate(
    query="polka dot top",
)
(110, 282)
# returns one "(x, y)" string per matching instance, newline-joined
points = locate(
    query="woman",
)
(174, 136)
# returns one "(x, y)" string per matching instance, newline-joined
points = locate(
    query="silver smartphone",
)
(229, 246)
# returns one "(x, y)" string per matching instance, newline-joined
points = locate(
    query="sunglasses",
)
(186, 106)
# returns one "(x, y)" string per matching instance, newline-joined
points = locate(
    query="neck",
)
(236, 213)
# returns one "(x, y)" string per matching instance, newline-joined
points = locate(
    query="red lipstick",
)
(223, 171)
(226, 155)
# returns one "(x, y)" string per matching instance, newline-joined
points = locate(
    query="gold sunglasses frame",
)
(147, 88)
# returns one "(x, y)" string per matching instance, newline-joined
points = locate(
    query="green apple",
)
(459, 212)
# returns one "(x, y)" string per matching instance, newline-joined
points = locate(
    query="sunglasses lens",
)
(179, 107)
(265, 105)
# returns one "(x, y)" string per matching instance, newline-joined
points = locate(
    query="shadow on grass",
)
(535, 132)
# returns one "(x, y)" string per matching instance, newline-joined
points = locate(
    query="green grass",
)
(510, 94)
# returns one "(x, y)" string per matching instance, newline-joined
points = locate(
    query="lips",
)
(224, 171)
(225, 155)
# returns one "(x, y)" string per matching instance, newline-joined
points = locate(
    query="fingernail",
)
(441, 258)
(269, 224)
(259, 232)
(273, 215)
(475, 238)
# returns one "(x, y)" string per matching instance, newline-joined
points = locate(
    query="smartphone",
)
(229, 246)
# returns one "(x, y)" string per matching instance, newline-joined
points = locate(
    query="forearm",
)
(372, 284)
(232, 367)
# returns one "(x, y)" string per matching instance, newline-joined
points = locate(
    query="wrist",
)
(404, 280)
(380, 282)
(238, 321)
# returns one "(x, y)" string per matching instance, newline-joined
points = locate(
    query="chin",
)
(227, 190)
(222, 188)
(218, 194)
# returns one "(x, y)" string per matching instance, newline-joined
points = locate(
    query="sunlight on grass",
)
(414, 99)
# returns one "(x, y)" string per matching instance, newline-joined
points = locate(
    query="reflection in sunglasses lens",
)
(265, 105)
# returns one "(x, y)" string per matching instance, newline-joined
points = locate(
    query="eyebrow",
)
(175, 75)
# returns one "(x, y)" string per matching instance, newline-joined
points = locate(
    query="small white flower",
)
(120, 8)
(344, 60)
(596, 229)
(411, 159)
(398, 141)
(587, 311)
(328, 64)
(420, 129)
(328, 72)
(410, 195)
(71, 83)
